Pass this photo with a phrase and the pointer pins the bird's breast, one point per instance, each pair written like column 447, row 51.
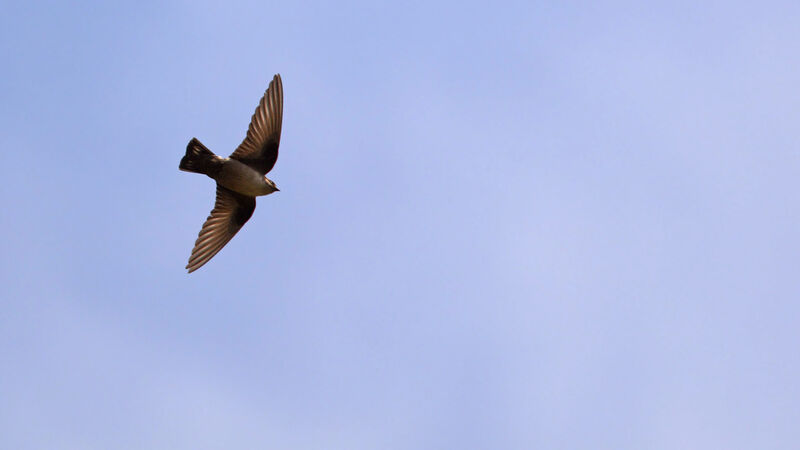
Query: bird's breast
column 243, row 179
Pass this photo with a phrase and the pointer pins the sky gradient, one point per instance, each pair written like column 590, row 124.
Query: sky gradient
column 516, row 225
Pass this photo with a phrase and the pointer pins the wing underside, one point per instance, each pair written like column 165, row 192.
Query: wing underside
column 231, row 211
column 259, row 149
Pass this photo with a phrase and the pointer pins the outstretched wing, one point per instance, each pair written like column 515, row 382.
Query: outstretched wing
column 231, row 211
column 259, row 149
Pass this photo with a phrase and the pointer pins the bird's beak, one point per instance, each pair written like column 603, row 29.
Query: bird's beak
column 276, row 189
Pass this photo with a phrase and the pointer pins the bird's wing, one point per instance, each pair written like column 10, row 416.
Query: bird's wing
column 259, row 149
column 231, row 211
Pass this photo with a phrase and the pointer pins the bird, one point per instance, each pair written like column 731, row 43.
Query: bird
column 240, row 178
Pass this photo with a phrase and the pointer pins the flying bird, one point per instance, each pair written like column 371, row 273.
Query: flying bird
column 240, row 178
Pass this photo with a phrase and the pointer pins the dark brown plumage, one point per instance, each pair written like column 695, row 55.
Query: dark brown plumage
column 240, row 178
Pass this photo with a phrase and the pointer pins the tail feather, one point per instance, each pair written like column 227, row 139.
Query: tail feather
column 198, row 158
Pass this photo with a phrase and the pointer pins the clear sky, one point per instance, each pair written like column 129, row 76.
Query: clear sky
column 514, row 225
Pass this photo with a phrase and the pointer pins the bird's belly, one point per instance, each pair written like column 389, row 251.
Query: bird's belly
column 242, row 179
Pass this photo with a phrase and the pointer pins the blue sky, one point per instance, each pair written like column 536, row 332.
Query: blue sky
column 501, row 226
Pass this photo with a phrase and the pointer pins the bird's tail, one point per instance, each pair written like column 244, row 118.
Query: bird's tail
column 198, row 158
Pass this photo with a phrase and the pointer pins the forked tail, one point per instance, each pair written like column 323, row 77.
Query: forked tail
column 198, row 158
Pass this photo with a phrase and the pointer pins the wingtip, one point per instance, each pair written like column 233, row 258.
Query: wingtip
column 192, row 267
